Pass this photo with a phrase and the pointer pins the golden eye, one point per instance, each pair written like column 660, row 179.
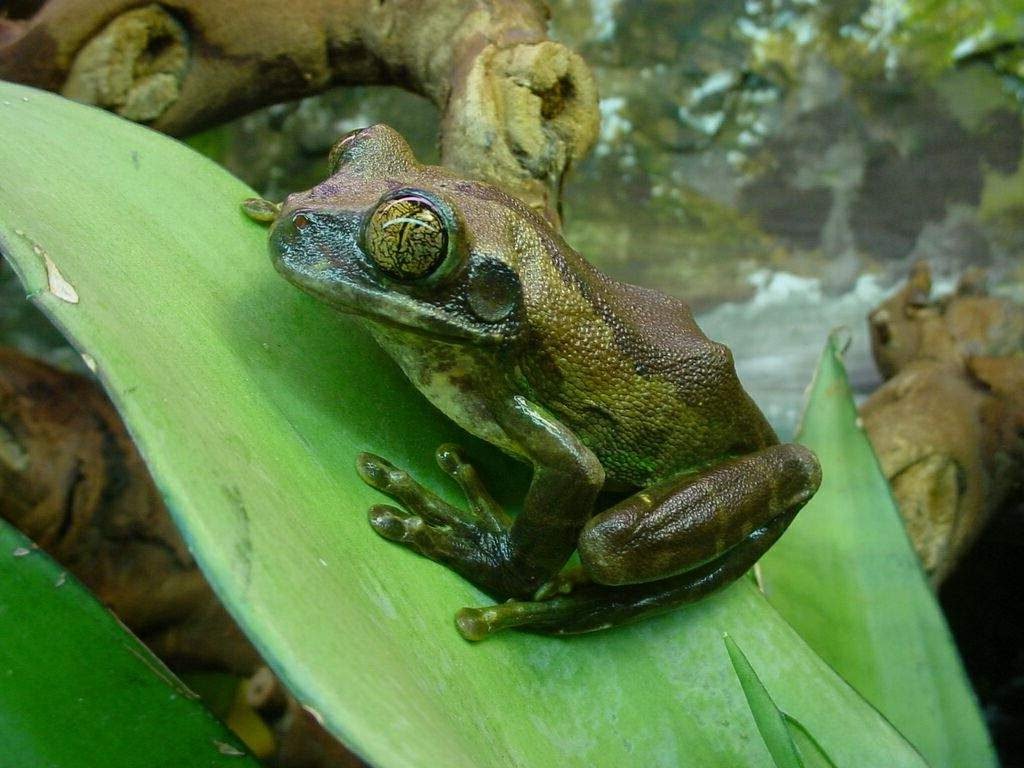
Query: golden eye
column 406, row 237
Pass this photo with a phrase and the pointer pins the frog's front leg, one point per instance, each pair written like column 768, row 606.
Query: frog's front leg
column 504, row 558
column 669, row 544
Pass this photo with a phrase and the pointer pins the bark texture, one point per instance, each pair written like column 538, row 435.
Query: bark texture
column 517, row 109
column 948, row 425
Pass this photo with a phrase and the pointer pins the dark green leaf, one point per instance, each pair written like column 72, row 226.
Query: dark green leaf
column 78, row 690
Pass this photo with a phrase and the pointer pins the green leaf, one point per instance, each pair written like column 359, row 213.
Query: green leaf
column 810, row 750
column 846, row 577
column 213, row 142
column 770, row 722
column 250, row 401
column 77, row 689
column 790, row 744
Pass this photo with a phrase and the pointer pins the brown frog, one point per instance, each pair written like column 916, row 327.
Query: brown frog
column 594, row 383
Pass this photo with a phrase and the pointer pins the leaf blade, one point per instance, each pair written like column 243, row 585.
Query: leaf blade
column 770, row 721
column 846, row 577
column 69, row 667
column 250, row 402
column 810, row 750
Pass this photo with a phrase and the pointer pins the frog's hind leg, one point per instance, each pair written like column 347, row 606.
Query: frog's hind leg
column 596, row 606
column 683, row 522
column 669, row 545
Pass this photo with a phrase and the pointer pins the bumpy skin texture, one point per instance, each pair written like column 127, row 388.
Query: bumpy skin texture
column 517, row 108
column 594, row 383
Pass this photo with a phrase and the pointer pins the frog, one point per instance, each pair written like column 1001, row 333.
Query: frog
column 606, row 390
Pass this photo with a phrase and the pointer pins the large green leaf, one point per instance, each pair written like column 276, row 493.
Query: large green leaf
column 771, row 723
column 847, row 578
column 250, row 401
column 78, row 690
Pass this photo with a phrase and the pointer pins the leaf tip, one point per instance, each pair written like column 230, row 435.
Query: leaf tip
column 839, row 340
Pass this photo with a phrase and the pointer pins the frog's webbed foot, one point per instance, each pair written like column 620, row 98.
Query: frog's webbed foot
column 473, row 543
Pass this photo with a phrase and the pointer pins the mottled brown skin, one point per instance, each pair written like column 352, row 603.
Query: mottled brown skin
column 594, row 383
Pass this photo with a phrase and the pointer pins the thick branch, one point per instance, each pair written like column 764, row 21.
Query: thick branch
column 517, row 109
column 948, row 425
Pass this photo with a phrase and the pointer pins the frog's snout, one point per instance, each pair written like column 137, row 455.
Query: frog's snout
column 301, row 232
column 292, row 247
column 283, row 234
column 315, row 249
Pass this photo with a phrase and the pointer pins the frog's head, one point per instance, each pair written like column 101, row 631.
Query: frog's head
column 407, row 245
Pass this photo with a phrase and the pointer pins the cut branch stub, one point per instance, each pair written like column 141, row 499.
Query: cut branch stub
column 134, row 66
column 948, row 424
column 522, row 114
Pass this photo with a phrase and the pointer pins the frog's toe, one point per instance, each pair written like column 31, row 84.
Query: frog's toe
column 398, row 484
column 392, row 523
column 408, row 529
column 477, row 624
column 263, row 211
column 562, row 584
column 472, row 544
column 451, row 460
column 374, row 470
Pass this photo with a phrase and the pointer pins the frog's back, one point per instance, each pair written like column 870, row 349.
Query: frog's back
column 631, row 372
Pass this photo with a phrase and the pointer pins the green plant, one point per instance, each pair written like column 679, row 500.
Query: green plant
column 76, row 689
column 250, row 402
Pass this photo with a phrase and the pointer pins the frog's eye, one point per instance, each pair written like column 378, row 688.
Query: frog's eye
column 339, row 152
column 407, row 237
